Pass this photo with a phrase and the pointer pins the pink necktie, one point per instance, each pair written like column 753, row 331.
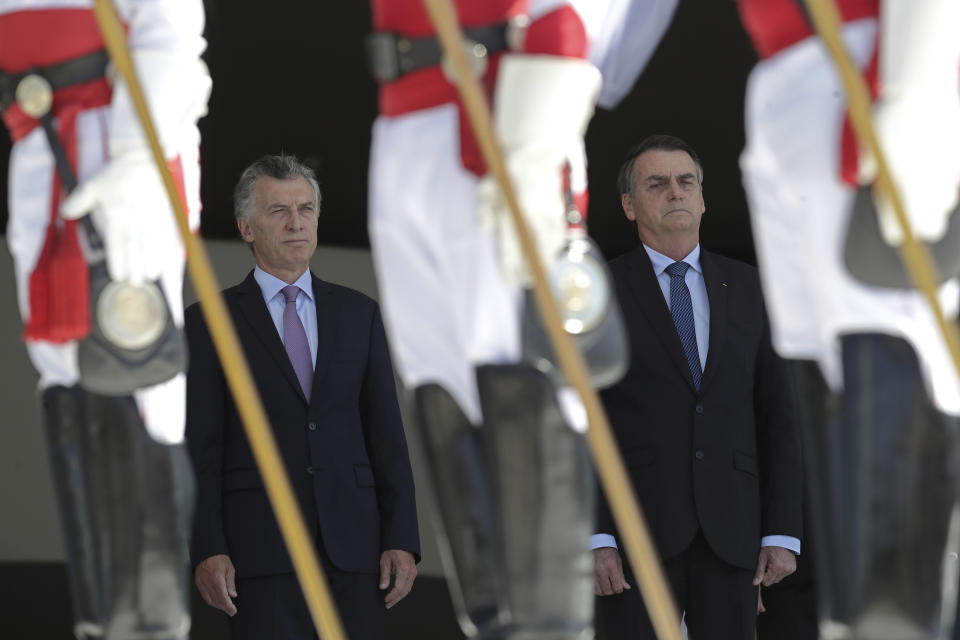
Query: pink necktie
column 295, row 340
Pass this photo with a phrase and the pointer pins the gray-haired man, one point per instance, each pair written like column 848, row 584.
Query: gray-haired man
column 320, row 361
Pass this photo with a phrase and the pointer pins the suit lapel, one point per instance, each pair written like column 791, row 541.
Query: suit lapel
column 716, row 282
column 649, row 298
column 326, row 330
column 254, row 310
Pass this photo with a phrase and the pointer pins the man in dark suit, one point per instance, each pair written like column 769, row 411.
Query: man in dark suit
column 703, row 416
column 319, row 358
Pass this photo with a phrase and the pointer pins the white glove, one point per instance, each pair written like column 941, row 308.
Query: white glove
column 914, row 131
column 918, row 116
column 127, row 199
column 132, row 211
column 542, row 105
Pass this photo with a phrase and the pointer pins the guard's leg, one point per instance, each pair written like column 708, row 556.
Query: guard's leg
column 148, row 490
column 544, row 494
column 467, row 534
column 73, row 458
column 882, row 463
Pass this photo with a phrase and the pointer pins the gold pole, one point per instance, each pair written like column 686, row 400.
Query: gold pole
column 916, row 256
column 613, row 476
column 302, row 553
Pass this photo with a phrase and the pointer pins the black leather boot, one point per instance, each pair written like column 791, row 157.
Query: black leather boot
column 544, row 500
column 883, row 466
column 466, row 529
column 72, row 458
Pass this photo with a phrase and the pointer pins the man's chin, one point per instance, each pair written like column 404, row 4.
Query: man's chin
column 680, row 223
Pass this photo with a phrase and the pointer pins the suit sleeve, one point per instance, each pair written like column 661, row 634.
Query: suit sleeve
column 778, row 441
column 206, row 415
column 387, row 447
column 605, row 520
column 606, row 524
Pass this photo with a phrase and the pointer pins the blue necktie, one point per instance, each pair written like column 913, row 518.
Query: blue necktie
column 681, row 308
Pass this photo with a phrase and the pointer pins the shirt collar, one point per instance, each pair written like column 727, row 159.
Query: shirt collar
column 661, row 262
column 271, row 285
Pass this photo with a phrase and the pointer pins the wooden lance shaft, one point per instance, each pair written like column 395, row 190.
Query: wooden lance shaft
column 302, row 552
column 609, row 465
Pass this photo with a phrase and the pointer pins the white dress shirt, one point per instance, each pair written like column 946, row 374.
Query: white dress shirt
column 270, row 287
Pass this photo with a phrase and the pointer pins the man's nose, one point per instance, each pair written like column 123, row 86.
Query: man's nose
column 675, row 191
column 295, row 220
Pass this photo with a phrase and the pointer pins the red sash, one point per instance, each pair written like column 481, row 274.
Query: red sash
column 559, row 32
column 59, row 283
column 774, row 25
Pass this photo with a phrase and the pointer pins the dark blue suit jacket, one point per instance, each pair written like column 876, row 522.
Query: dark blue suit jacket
column 724, row 458
column 345, row 452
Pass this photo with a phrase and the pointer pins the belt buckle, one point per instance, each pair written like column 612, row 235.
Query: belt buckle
column 34, row 95
column 382, row 52
column 477, row 59
column 516, row 33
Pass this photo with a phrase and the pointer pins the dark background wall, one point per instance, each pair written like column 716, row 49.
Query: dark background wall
column 290, row 75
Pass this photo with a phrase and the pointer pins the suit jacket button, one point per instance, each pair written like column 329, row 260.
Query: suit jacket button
column 698, row 408
column 699, row 455
column 312, row 426
column 310, row 471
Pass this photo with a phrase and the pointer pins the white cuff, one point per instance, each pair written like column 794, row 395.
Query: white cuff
column 599, row 540
column 787, row 542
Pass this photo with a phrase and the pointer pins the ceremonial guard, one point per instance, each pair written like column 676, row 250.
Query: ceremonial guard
column 100, row 294
column 500, row 428
column 883, row 396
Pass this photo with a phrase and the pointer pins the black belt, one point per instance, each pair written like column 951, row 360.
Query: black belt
column 392, row 56
column 58, row 76
column 40, row 83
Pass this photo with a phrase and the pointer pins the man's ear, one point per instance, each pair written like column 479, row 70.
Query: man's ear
column 627, row 205
column 244, row 227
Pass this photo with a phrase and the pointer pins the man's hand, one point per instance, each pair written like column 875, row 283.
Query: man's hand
column 760, row 607
column 399, row 563
column 773, row 565
column 214, row 577
column 608, row 572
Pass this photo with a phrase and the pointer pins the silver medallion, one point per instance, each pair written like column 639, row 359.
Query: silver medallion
column 34, row 95
column 580, row 287
column 131, row 317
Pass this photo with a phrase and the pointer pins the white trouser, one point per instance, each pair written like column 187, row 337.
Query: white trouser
column 446, row 306
column 31, row 175
column 800, row 209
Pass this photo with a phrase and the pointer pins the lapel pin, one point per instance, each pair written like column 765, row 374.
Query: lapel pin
column 723, row 284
